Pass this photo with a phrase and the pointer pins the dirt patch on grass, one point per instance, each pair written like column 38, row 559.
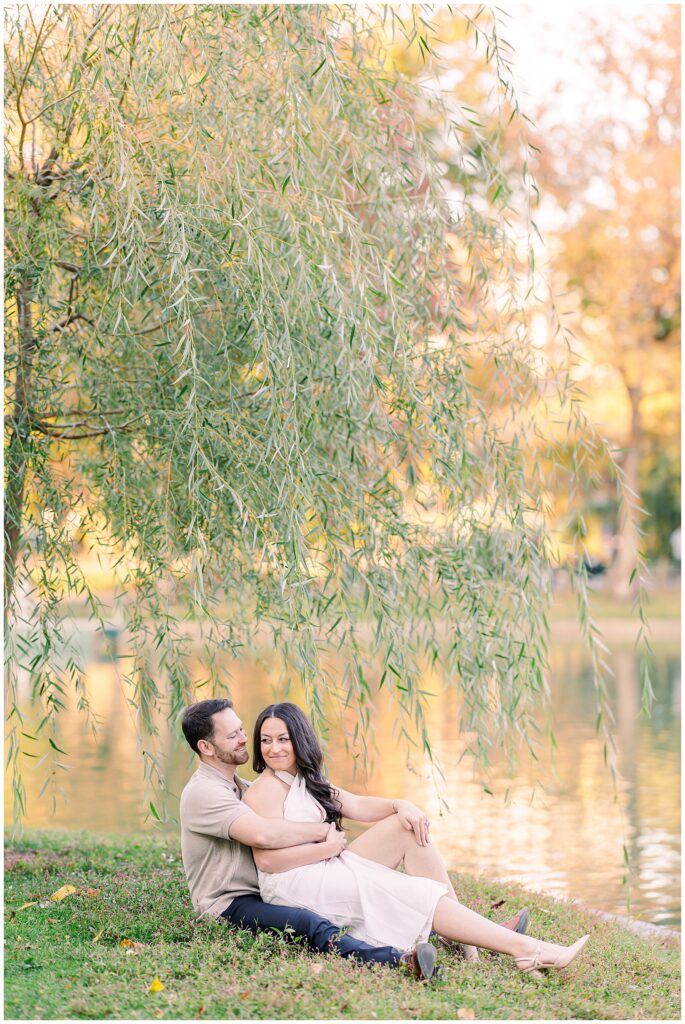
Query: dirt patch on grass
column 28, row 857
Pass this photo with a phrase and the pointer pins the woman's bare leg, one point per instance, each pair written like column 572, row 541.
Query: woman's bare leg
column 454, row 921
column 388, row 842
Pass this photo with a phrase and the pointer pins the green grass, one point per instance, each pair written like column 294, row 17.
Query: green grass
column 64, row 959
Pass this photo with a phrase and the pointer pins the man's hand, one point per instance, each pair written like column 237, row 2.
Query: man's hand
column 335, row 841
column 414, row 819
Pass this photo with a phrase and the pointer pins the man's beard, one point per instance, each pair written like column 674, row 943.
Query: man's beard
column 237, row 757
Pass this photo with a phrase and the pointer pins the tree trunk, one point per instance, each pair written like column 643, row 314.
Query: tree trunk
column 627, row 537
column 16, row 452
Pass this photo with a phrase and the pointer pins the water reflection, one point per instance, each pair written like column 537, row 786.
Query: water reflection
column 568, row 840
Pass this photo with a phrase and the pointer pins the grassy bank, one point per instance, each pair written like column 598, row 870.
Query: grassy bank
column 96, row 953
column 662, row 603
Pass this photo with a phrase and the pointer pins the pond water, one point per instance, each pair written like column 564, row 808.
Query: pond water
column 566, row 840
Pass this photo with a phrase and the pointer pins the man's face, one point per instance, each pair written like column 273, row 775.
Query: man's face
column 229, row 742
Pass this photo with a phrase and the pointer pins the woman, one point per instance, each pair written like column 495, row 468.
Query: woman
column 355, row 885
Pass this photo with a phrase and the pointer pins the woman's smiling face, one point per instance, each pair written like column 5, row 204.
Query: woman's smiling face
column 276, row 748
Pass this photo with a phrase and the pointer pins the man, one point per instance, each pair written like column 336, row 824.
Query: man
column 218, row 831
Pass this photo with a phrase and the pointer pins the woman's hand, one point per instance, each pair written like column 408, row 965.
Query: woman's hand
column 414, row 819
column 335, row 841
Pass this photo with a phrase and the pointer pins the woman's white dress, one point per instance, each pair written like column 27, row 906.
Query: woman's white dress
column 372, row 902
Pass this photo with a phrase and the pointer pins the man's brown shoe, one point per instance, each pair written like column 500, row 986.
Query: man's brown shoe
column 420, row 961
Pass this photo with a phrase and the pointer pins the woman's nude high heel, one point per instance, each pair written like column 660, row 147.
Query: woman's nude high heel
column 535, row 961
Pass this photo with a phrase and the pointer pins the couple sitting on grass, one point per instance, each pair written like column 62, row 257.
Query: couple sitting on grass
column 273, row 855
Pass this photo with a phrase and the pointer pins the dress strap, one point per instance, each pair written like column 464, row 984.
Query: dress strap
column 285, row 777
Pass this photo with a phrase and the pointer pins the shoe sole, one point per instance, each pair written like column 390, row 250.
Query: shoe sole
column 522, row 926
column 425, row 958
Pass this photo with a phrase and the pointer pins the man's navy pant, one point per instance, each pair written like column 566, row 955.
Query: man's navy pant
column 253, row 913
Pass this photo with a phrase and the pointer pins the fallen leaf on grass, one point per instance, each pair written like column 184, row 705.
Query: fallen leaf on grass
column 497, row 904
column 129, row 943
column 53, row 920
column 465, row 1013
column 89, row 892
column 25, row 905
column 99, row 935
column 63, row 892
column 156, row 985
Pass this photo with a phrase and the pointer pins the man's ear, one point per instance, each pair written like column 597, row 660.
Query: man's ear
column 204, row 747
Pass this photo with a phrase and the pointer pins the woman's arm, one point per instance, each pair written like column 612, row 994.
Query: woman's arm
column 375, row 808
column 266, row 797
column 365, row 808
column 276, row 861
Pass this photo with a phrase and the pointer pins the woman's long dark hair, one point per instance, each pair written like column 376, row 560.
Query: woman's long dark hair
column 307, row 754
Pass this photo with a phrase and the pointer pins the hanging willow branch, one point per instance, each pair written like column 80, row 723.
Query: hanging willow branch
column 256, row 350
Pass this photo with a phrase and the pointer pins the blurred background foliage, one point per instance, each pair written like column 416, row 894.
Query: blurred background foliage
column 608, row 176
column 614, row 183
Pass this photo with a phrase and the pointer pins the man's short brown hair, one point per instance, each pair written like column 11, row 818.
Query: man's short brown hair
column 197, row 721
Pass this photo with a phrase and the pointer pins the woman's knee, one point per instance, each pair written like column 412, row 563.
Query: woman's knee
column 393, row 825
column 388, row 832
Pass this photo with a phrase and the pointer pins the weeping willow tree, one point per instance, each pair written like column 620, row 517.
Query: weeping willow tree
column 241, row 316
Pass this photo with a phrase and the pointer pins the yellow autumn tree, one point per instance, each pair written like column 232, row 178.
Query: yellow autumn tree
column 615, row 181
